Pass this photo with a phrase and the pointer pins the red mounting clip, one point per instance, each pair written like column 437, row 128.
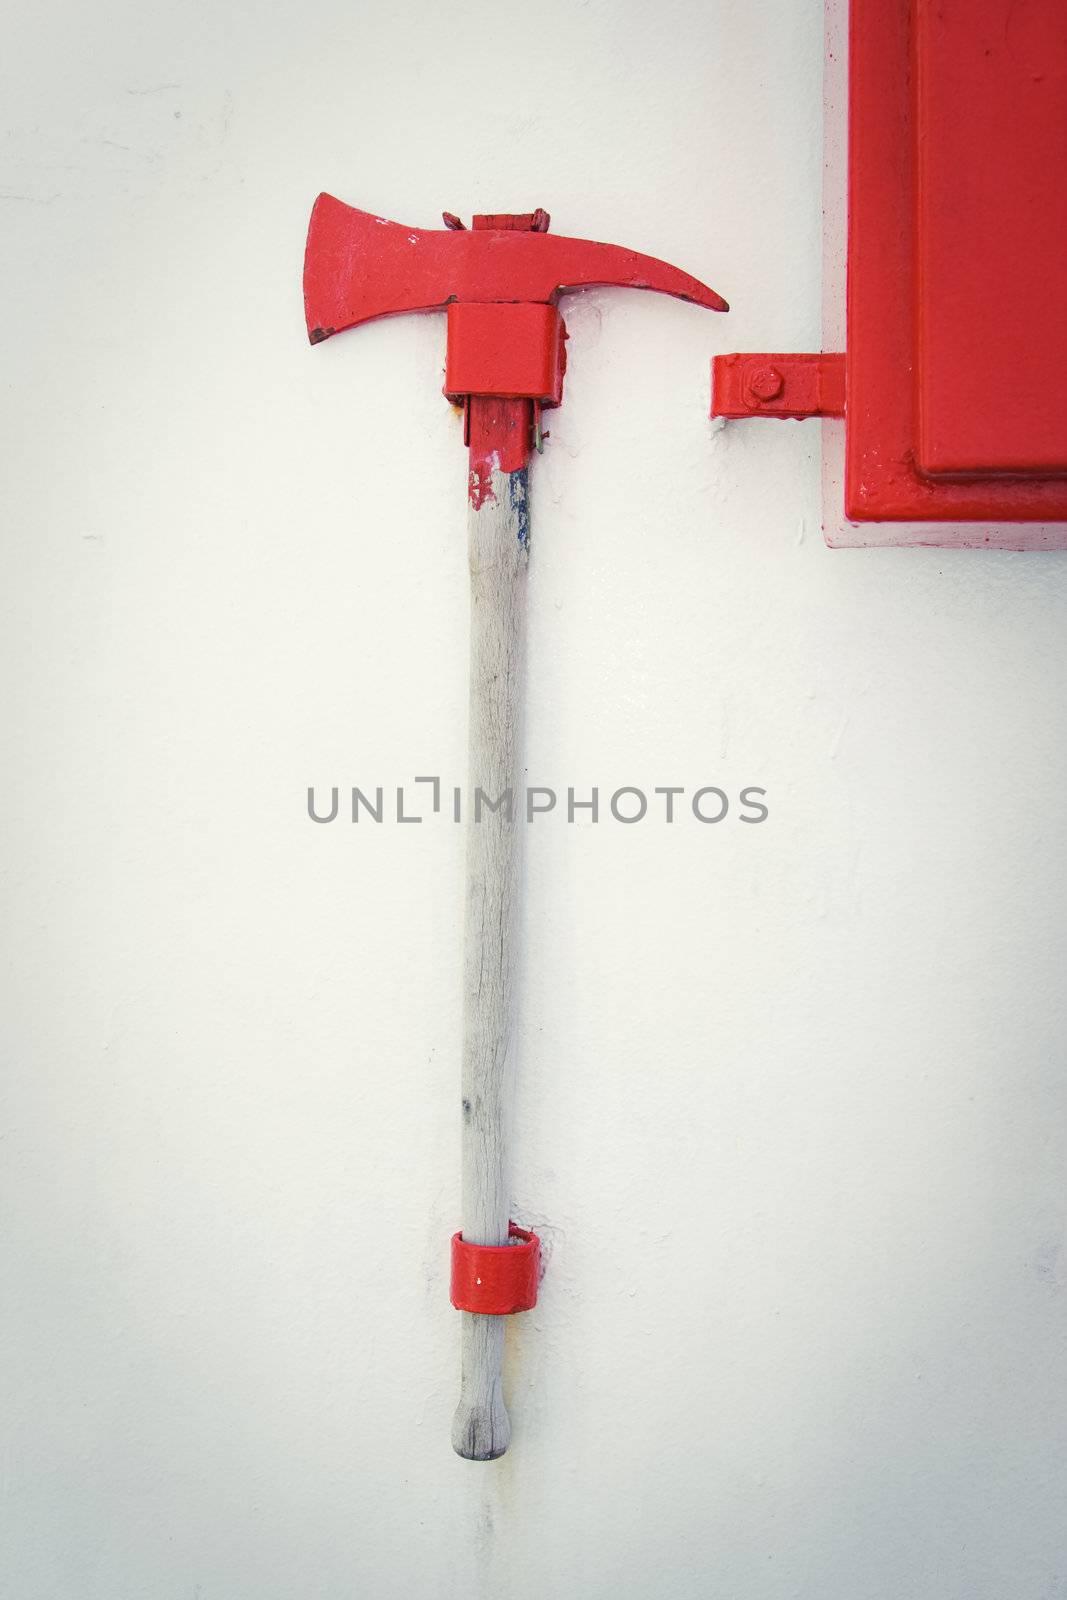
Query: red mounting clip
column 496, row 1279
column 791, row 386
column 501, row 348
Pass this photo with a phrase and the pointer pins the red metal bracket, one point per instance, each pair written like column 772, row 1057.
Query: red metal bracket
column 497, row 348
column 778, row 386
column 496, row 1280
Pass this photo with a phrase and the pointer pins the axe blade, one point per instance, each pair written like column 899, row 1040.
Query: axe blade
column 358, row 266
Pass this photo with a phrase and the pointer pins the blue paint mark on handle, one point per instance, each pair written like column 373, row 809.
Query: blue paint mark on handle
column 519, row 501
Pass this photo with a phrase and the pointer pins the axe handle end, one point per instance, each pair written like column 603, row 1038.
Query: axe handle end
column 481, row 1430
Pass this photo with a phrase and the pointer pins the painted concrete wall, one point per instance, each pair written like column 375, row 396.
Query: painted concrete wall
column 791, row 1115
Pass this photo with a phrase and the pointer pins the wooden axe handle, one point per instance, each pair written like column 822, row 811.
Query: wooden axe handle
column 497, row 549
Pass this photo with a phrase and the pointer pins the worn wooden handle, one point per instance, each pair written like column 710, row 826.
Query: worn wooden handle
column 498, row 549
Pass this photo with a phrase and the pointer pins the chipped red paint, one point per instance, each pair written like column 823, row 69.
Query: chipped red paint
column 499, row 433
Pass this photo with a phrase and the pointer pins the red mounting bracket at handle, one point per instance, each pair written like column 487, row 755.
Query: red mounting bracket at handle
column 501, row 348
column 496, row 1280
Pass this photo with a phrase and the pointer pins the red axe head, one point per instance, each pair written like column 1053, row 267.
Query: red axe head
column 358, row 267
column 500, row 283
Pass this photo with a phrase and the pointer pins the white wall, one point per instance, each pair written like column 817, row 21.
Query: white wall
column 791, row 1110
